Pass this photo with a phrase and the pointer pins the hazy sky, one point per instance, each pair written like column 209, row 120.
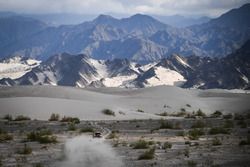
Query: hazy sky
column 128, row 7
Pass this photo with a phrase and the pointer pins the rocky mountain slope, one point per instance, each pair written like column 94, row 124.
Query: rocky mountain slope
column 230, row 72
column 139, row 38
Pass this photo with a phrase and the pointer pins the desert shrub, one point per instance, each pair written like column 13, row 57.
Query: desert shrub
column 72, row 126
column 139, row 110
column 187, row 142
column 188, row 105
column 166, row 125
column 43, row 136
column 112, row 135
column 87, row 129
column 8, row 117
column 164, row 114
column 218, row 130
column 183, row 109
column 39, row 165
column 228, row 124
column 198, row 124
column 180, row 133
column 200, row 113
column 216, row 142
column 245, row 142
column 108, row 112
column 54, row 117
column 140, row 144
column 149, row 154
column 4, row 136
column 242, row 124
column 21, row 118
column 167, row 145
column 186, row 152
column 180, row 114
column 228, row 116
column 25, row 150
column 238, row 116
column 74, row 120
column 191, row 163
column 217, row 113
column 194, row 134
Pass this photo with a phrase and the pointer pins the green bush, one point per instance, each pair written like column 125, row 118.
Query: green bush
column 238, row 116
column 228, row 116
column 217, row 113
column 43, row 136
column 191, row 163
column 200, row 113
column 108, row 112
column 87, row 129
column 167, row 145
column 25, row 150
column 54, row 117
column 4, row 136
column 245, row 142
column 166, row 125
column 216, row 142
column 71, row 119
column 71, row 126
column 149, row 154
column 219, row 130
column 228, row 124
column 139, row 110
column 8, row 117
column 21, row 118
column 198, row 124
column 112, row 135
column 141, row 144
column 194, row 134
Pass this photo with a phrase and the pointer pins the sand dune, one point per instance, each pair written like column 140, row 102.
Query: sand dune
column 40, row 101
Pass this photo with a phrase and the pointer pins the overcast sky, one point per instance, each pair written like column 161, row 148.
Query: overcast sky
column 210, row 8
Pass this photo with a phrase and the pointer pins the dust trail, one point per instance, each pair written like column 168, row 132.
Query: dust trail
column 84, row 151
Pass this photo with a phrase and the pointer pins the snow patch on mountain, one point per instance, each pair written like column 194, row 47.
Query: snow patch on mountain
column 165, row 76
column 16, row 67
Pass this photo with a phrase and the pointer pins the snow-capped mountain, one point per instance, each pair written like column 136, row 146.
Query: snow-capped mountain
column 16, row 67
column 190, row 72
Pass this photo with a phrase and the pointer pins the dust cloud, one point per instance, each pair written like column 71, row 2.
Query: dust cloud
column 84, row 151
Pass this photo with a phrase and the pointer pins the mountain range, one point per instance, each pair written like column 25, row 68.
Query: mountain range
column 230, row 72
column 139, row 38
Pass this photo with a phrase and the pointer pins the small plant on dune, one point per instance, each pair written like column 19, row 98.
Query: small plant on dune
column 147, row 155
column 21, row 118
column 54, row 117
column 188, row 105
column 139, row 110
column 164, row 114
column 108, row 112
column 228, row 124
column 228, row 116
column 242, row 124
